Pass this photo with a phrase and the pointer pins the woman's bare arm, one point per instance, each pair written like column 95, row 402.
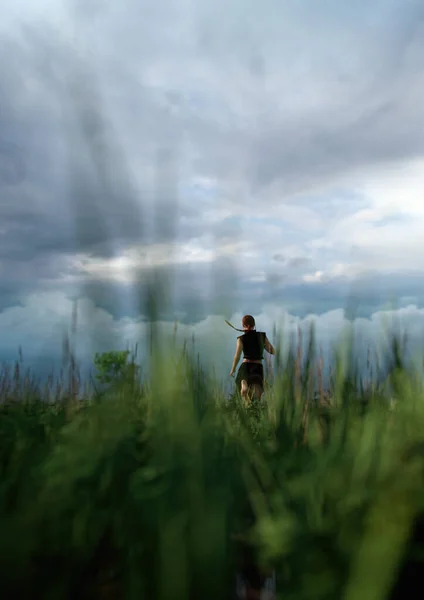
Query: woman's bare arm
column 237, row 355
column 268, row 346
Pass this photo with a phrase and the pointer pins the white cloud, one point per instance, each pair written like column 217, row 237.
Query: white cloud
column 313, row 277
column 126, row 266
column 387, row 235
column 38, row 327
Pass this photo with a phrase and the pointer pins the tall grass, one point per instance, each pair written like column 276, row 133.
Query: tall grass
column 165, row 489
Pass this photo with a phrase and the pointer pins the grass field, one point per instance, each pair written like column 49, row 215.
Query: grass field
column 166, row 489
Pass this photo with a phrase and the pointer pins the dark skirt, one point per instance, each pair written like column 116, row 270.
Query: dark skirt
column 250, row 372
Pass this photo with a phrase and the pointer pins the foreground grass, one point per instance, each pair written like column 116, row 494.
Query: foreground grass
column 158, row 491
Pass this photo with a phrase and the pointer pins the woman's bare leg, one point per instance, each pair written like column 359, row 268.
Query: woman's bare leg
column 254, row 392
column 244, row 390
column 257, row 390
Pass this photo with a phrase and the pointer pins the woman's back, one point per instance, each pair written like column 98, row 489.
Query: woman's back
column 253, row 344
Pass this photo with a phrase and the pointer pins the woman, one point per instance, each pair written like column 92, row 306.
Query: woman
column 250, row 375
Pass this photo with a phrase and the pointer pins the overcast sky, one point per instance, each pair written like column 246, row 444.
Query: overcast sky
column 262, row 158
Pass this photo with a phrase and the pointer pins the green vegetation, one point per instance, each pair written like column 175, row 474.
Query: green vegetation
column 115, row 367
column 152, row 489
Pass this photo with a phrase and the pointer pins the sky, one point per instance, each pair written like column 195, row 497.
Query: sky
column 263, row 158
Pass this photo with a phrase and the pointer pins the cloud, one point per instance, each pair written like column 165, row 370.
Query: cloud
column 271, row 155
column 38, row 327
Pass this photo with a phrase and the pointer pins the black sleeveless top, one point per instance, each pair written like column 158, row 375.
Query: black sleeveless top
column 253, row 344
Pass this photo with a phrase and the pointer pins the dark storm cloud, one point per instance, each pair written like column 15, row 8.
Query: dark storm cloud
column 66, row 185
column 363, row 64
column 92, row 151
column 363, row 296
column 294, row 262
column 192, row 293
column 381, row 136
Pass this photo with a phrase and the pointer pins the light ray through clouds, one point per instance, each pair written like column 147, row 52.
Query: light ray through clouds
column 257, row 160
